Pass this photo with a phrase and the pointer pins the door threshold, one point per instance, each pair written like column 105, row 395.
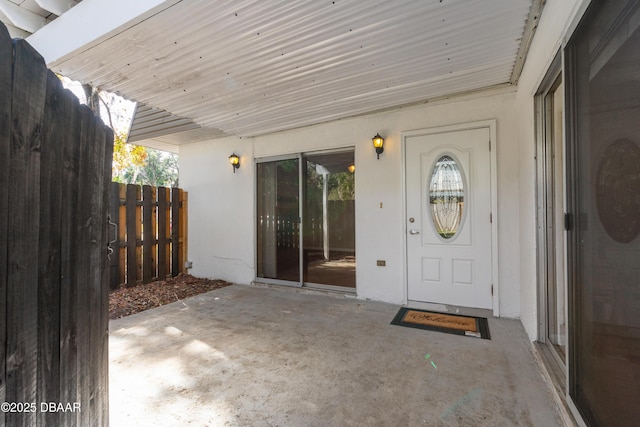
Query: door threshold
column 333, row 288
column 329, row 290
column 555, row 379
column 450, row 309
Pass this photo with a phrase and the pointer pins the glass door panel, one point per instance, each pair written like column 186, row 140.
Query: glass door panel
column 556, row 333
column 329, row 219
column 556, row 306
column 604, row 109
column 278, row 213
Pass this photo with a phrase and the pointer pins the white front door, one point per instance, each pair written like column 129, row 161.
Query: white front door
column 448, row 223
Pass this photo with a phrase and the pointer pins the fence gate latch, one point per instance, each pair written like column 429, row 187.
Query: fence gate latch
column 115, row 238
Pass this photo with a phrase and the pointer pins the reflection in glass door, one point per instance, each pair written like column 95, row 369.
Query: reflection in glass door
column 329, row 219
column 278, row 213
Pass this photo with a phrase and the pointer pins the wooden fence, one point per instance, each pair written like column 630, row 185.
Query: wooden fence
column 55, row 166
column 148, row 233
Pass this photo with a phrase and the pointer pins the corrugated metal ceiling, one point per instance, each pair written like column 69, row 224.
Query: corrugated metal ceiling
column 257, row 66
column 164, row 131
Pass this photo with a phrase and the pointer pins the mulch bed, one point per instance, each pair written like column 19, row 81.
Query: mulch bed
column 126, row 301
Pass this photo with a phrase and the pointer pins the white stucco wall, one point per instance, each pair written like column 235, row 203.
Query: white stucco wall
column 221, row 230
column 221, row 203
column 556, row 22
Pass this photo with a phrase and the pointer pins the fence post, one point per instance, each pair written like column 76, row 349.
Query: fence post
column 175, row 231
column 154, row 233
column 122, row 233
column 163, row 229
column 183, row 230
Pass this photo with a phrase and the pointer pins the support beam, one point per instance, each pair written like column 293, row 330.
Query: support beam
column 89, row 23
column 22, row 18
column 15, row 32
column 57, row 7
column 530, row 27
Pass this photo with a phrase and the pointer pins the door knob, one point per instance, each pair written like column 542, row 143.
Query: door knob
column 414, row 231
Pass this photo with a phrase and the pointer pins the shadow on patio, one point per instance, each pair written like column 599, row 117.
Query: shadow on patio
column 257, row 356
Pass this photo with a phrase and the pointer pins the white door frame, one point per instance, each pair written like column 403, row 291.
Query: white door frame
column 491, row 125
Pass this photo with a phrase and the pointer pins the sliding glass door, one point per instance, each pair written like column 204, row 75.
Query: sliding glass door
column 329, row 243
column 603, row 82
column 278, row 215
column 550, row 197
column 306, row 220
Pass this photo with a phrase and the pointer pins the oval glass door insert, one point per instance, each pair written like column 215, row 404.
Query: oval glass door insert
column 446, row 197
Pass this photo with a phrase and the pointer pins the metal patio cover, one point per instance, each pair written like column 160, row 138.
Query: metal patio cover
column 251, row 67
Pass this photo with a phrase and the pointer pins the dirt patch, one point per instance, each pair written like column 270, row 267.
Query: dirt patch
column 126, row 301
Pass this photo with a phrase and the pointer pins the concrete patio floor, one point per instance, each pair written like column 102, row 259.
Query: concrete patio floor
column 252, row 356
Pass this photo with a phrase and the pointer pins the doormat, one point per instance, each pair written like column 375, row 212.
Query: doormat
column 477, row 327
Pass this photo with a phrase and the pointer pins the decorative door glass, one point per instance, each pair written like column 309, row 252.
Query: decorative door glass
column 446, row 196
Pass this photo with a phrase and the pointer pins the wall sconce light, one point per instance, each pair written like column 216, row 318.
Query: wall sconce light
column 351, row 168
column 378, row 143
column 235, row 161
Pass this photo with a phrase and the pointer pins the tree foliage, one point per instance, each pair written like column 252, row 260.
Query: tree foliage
column 160, row 169
column 125, row 157
column 342, row 186
column 132, row 164
column 146, row 166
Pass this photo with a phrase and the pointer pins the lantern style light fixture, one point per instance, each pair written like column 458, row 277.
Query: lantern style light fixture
column 235, row 161
column 378, row 143
column 351, row 168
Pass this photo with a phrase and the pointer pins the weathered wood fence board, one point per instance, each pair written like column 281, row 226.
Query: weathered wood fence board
column 134, row 232
column 49, row 246
column 6, row 65
column 55, row 162
column 163, row 228
column 114, row 253
column 27, row 111
column 103, row 368
column 151, row 238
column 69, row 319
column 148, row 211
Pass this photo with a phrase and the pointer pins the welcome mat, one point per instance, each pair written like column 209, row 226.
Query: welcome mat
column 470, row 326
